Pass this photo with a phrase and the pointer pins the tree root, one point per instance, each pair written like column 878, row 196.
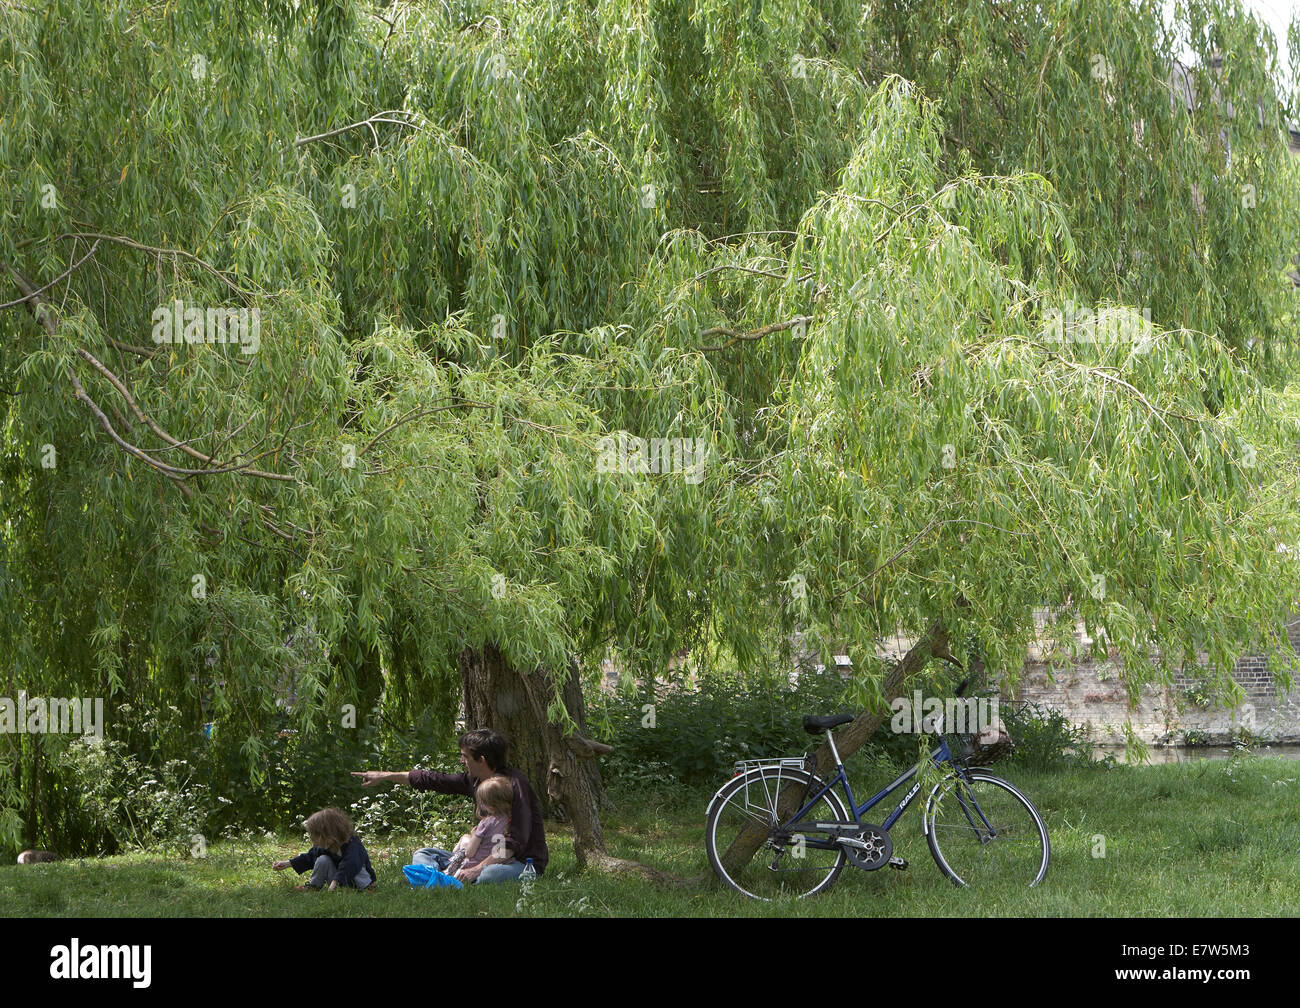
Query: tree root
column 607, row 864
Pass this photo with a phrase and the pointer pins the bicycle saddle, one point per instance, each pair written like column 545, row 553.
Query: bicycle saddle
column 816, row 725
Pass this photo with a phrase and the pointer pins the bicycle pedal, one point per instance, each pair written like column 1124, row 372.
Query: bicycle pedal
column 899, row 863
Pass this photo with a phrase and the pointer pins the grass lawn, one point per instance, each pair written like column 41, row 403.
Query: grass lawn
column 1213, row 838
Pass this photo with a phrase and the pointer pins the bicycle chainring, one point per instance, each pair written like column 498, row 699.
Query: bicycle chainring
column 878, row 851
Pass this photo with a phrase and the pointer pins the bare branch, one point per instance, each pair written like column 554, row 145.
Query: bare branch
column 377, row 117
column 139, row 246
column 139, row 351
column 43, row 313
column 740, row 337
column 41, row 290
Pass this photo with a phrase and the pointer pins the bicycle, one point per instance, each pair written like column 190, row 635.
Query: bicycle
column 980, row 829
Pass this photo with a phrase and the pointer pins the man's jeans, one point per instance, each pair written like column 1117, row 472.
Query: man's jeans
column 439, row 859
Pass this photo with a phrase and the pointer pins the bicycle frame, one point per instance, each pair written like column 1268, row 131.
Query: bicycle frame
column 939, row 755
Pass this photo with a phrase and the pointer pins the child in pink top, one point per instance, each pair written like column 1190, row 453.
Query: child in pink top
column 492, row 799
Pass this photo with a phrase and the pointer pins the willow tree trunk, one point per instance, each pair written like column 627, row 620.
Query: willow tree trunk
column 933, row 644
column 562, row 769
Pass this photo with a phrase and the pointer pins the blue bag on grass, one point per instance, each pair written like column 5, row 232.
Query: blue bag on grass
column 428, row 877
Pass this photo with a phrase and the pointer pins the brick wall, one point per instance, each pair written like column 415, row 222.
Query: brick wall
column 1089, row 693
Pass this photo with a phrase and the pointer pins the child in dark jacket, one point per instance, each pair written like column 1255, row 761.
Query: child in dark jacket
column 337, row 856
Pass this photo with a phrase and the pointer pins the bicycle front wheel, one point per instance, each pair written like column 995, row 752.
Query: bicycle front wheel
column 983, row 832
column 751, row 851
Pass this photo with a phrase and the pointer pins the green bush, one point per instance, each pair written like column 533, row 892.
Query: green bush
column 138, row 790
column 694, row 736
column 303, row 772
column 698, row 735
column 419, row 813
column 1045, row 739
column 134, row 806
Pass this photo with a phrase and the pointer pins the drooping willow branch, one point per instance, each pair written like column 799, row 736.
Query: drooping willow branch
column 141, row 247
column 417, row 413
column 45, row 316
column 173, row 442
column 41, row 290
column 1106, row 375
column 745, row 269
column 932, row 523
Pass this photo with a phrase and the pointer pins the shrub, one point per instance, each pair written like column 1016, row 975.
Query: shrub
column 307, row 772
column 138, row 808
column 389, row 809
column 137, row 790
column 699, row 734
column 1045, row 739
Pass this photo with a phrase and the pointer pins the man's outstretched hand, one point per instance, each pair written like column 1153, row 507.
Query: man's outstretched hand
column 369, row 778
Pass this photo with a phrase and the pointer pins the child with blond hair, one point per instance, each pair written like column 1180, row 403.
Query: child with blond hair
column 492, row 800
column 337, row 856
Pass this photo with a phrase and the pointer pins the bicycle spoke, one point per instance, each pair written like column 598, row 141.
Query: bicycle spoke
column 784, row 865
column 766, row 820
column 982, row 832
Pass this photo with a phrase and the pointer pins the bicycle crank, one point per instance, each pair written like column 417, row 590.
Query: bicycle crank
column 870, row 849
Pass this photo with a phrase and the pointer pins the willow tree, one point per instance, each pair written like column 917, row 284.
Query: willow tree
column 487, row 251
column 361, row 493
column 387, row 485
column 1162, row 127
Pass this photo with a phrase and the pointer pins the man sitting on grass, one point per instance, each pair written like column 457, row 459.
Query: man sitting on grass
column 483, row 754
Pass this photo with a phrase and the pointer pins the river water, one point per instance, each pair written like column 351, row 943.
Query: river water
column 1191, row 754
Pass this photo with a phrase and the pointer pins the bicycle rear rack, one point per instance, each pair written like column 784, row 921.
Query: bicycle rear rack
column 773, row 762
column 761, row 796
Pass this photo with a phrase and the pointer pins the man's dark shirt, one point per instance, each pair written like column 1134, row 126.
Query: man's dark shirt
column 526, row 837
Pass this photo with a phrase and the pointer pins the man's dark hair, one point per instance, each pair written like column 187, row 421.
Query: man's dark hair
column 485, row 744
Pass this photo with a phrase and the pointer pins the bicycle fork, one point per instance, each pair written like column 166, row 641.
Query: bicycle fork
column 985, row 833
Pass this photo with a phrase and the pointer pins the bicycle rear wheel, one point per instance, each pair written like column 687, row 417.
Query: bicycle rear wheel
column 983, row 832
column 747, row 813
